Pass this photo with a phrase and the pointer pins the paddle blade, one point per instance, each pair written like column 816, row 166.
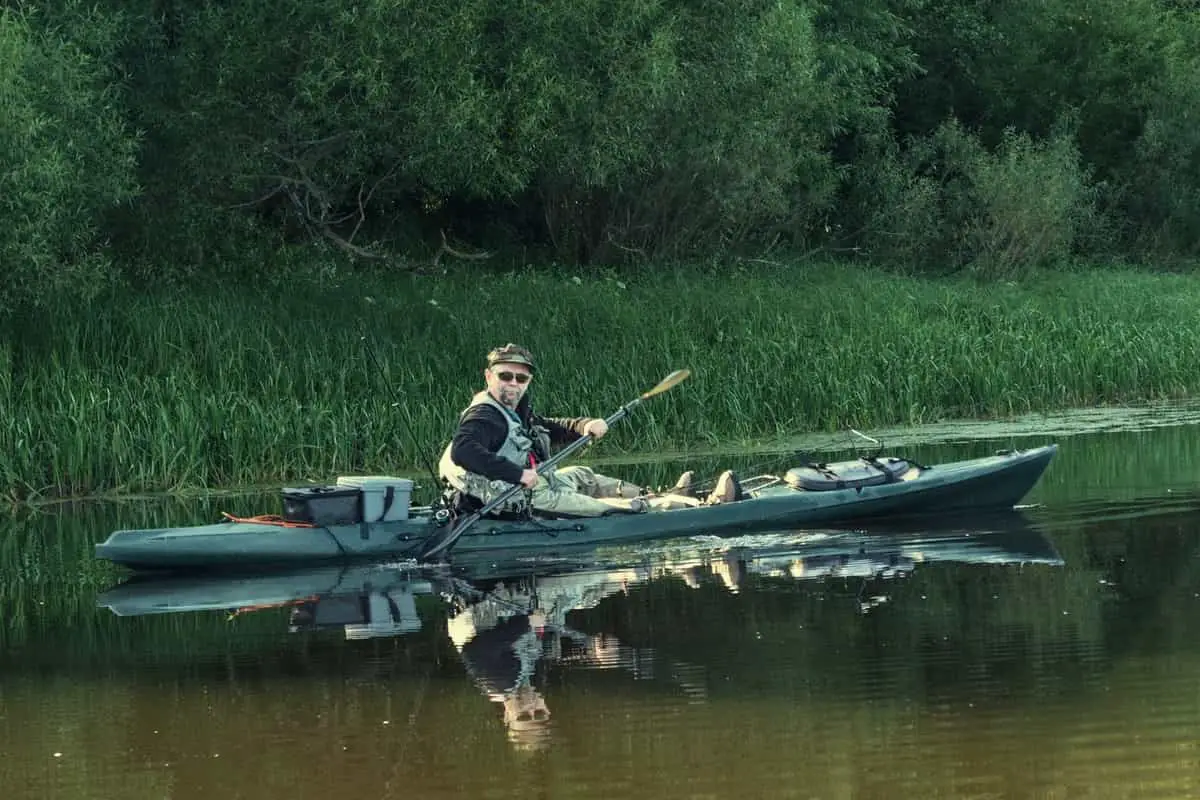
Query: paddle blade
column 676, row 377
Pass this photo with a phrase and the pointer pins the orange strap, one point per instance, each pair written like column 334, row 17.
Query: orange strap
column 263, row 607
column 268, row 519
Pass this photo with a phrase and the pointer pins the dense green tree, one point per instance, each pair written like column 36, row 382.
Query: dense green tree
column 66, row 155
column 1121, row 75
column 600, row 129
column 1160, row 186
column 594, row 131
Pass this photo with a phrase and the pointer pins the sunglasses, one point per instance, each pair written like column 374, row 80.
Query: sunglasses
column 519, row 377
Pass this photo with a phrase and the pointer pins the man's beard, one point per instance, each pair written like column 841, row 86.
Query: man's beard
column 509, row 396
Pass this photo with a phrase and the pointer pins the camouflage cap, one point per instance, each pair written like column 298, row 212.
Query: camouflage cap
column 511, row 354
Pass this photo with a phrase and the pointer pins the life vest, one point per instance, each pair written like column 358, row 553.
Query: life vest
column 520, row 443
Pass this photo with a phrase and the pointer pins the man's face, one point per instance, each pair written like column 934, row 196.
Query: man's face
column 507, row 382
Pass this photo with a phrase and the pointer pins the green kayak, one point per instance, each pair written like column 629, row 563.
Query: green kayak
column 813, row 494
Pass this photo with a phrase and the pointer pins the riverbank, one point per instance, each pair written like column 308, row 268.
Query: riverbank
column 239, row 385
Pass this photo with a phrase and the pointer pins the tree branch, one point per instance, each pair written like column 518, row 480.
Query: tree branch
column 446, row 248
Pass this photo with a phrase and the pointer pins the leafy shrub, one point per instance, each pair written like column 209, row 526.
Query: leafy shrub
column 1032, row 202
column 948, row 201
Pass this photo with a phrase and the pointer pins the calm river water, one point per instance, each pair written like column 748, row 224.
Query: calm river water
column 1051, row 653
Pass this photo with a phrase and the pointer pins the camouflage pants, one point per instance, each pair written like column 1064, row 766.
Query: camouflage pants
column 582, row 492
column 578, row 491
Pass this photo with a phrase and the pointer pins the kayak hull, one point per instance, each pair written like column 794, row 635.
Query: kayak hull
column 989, row 483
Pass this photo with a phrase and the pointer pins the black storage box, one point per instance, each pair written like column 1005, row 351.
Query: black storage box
column 323, row 505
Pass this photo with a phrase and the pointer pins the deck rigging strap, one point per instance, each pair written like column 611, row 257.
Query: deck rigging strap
column 267, row 519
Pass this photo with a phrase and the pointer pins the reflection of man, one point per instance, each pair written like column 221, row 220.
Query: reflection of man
column 502, row 635
column 500, row 648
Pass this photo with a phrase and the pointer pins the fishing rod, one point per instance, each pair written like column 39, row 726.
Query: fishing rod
column 425, row 462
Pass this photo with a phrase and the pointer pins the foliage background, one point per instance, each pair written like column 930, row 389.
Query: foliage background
column 183, row 140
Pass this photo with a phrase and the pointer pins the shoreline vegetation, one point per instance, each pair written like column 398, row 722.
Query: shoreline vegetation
column 836, row 214
column 242, row 385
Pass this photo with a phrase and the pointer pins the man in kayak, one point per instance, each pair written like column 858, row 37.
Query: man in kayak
column 500, row 441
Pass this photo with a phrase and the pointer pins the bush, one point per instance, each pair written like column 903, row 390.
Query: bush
column 891, row 214
column 1033, row 201
column 948, row 201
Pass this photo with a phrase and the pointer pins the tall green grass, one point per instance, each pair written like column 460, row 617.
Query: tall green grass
column 240, row 386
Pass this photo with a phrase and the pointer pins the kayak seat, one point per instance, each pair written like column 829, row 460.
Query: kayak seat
column 846, row 474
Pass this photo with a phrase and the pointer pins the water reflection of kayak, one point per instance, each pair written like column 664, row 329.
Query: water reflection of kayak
column 507, row 619
column 584, row 575
column 811, row 494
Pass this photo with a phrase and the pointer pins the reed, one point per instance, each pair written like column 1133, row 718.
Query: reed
column 242, row 386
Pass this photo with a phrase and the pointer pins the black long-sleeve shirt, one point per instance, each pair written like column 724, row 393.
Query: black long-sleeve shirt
column 483, row 429
column 490, row 655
